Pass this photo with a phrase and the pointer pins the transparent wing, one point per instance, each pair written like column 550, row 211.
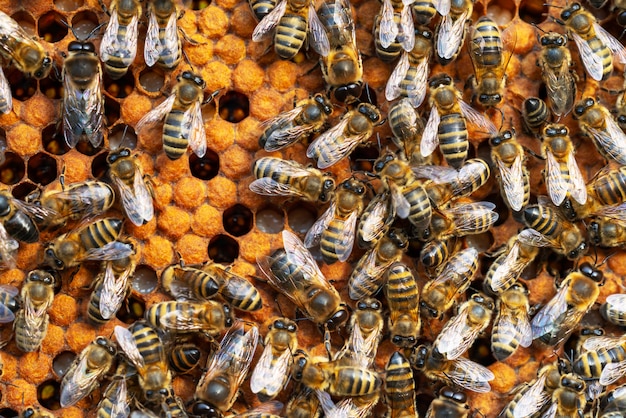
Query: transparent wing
column 347, row 237
column 551, row 412
column 612, row 140
column 113, row 291
column 466, row 216
column 514, row 326
column 336, row 148
column 416, row 91
column 601, row 343
column 120, row 407
column 533, row 238
column 269, row 22
column 127, row 344
column 470, row 375
column 314, row 235
column 612, row 372
column 457, row 336
column 79, row 381
column 592, row 62
column 320, row 43
column 402, row 207
column 82, row 110
column 388, row 28
column 557, row 185
column 430, row 137
column 477, row 119
column 377, row 216
column 108, row 46
column 578, row 188
column 152, row 49
column 197, row 134
column 532, row 400
column 392, row 91
column 113, row 250
column 614, row 45
column 156, row 114
column 8, row 248
column 268, row 375
column 407, row 33
column 512, row 182
column 5, row 93
column 451, row 35
column 136, row 200
column 442, row 6
column 113, row 45
column 508, row 271
column 550, row 317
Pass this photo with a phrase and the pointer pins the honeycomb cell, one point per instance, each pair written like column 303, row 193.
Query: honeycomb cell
column 236, row 162
column 111, row 110
column 51, row 27
column 248, row 76
column 48, row 394
column 220, row 134
column 192, row 248
column 34, row 367
column 99, row 165
column 20, row 392
column 223, row 249
column 55, row 339
column 26, row 21
column 533, row 11
column 207, row 221
column 270, row 219
column 9, row 413
column 482, row 242
column 22, row 87
column 68, row 5
column 362, row 159
column 51, row 88
column 301, row 216
column 502, row 12
column 231, row 49
column 84, row 23
column 23, row 189
column 122, row 136
column 64, row 310
column 204, row 168
column 86, row 148
column 145, row 279
column 190, row 193
column 222, row 192
column 199, row 4
column 42, row 169
column 213, row 22
column 12, row 170
column 151, row 80
column 158, row 252
column 131, row 311
column 174, row 222
column 234, row 106
column 120, row 88
column 238, row 220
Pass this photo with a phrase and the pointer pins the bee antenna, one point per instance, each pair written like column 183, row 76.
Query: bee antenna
column 537, row 26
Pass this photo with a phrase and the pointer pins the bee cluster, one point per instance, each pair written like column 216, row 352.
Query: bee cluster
column 468, row 206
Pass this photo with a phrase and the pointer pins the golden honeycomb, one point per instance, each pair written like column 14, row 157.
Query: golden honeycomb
column 204, row 208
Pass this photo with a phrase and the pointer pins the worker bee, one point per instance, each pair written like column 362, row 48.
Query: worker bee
column 31, row 322
column 575, row 296
column 556, row 62
column 535, row 114
column 335, row 230
column 375, row 220
column 460, row 371
column 144, row 350
column 513, row 178
column 355, row 127
column 606, row 232
column 614, row 309
column 6, row 97
column 603, row 358
column 407, row 130
column 461, row 220
column 568, row 399
column 8, row 303
column 308, row 117
column 183, row 126
column 87, row 370
column 119, row 42
column 449, row 403
column 403, row 300
column 183, row 358
column 390, row 29
column 366, row 327
column 596, row 121
column 446, row 124
column 547, row 228
column 460, row 332
column 451, row 30
column 134, row 192
column 225, row 371
column 304, row 404
column 393, row 50
column 210, row 317
column 35, row 412
column 511, row 328
column 203, row 282
column 293, row 21
column 271, row 373
column 595, row 44
column 163, row 44
column 94, row 241
column 268, row 409
column 400, row 387
column 278, row 177
column 410, row 76
column 16, row 221
column 342, row 67
column 22, row 50
column 346, row 407
column 294, row 273
column 261, row 8
column 438, row 295
column 115, row 400
column 83, row 101
column 613, row 404
column 508, row 267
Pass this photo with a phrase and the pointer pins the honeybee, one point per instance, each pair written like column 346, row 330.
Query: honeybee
column 294, row 273
column 278, row 177
column 407, row 130
column 446, row 124
column 367, row 276
column 335, row 230
column 403, row 300
column 114, row 402
column 163, row 44
column 8, row 303
column 268, row 409
column 614, row 309
column 87, row 370
column 575, row 296
column 272, row 371
column 438, row 295
column 342, row 67
column 607, row 232
column 508, row 267
column 513, row 178
column 35, row 412
column 449, row 403
column 119, row 42
column 304, row 404
column 134, row 192
column 261, row 8
column 366, row 327
column 94, row 241
column 511, row 328
column 83, row 101
column 461, row 220
column 460, row 371
column 410, row 76
column 393, row 50
column 6, row 96
column 375, row 220
column 400, row 387
column 225, row 371
column 595, row 44
column 425, row 10
column 568, row 399
column 144, row 350
column 556, row 63
column 31, row 322
column 183, row 126
column 535, row 114
column 613, row 403
column 547, row 228
column 451, row 30
column 293, row 20
column 16, row 220
column 210, row 317
column 22, row 50
column 346, row 407
column 603, row 358
column 596, row 121
column 184, row 358
column 390, row 29
column 338, row 142
column 308, row 117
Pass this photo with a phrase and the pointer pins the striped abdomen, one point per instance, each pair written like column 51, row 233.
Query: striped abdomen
column 100, row 233
column 392, row 51
column 486, row 46
column 175, row 135
column 453, row 141
column 290, row 35
column 332, row 240
column 148, row 343
column 400, row 387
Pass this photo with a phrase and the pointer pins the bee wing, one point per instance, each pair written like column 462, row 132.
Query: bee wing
column 235, row 353
column 78, row 382
column 451, row 34
column 269, row 22
column 417, row 89
column 269, row 375
column 430, row 137
column 465, row 216
column 512, row 182
column 269, row 187
column 109, row 39
column 407, row 34
column 612, row 140
column 508, row 271
column 442, row 6
column 287, row 132
column 113, row 250
column 82, row 111
column 551, row 412
column 614, row 45
column 127, row 344
column 328, row 150
column 617, row 212
column 592, row 62
column 616, row 299
column 560, row 87
column 601, row 343
column 238, row 289
column 578, row 187
column 113, row 291
column 477, row 119
column 392, row 91
column 470, row 375
column 5, row 93
column 515, row 326
column 378, row 215
column 456, row 337
column 457, row 271
column 557, row 185
column 533, row 238
column 347, row 237
column 532, row 400
column 320, row 43
column 314, row 235
column 153, row 48
column 8, row 248
column 401, row 206
column 550, row 317
column 156, row 114
column 113, row 46
column 120, row 407
column 300, row 256
column 136, row 200
column 612, row 372
column 11, row 30
column 388, row 28
column 197, row 135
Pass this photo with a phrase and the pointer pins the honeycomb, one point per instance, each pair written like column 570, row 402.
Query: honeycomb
column 204, row 208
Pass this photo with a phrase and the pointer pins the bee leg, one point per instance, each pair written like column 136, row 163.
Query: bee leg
column 186, row 37
column 327, row 342
column 534, row 154
column 104, row 7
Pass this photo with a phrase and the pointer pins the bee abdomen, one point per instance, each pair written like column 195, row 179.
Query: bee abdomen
column 290, row 35
column 175, row 139
column 353, row 381
column 101, row 232
column 93, row 309
column 604, row 53
column 331, row 241
column 28, row 339
column 503, row 344
column 148, row 343
column 394, row 49
column 22, row 228
column 453, row 139
column 184, row 358
column 399, row 382
column 424, row 11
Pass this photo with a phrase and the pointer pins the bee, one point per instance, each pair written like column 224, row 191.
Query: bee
column 595, row 44
column 425, row 10
column 535, row 114
column 614, row 309
column 461, row 220
column 83, row 101
column 438, row 295
column 145, row 352
column 35, row 412
column 508, row 267
column 31, row 322
column 449, row 403
column 184, row 358
column 451, row 31
column 338, row 142
column 446, row 125
column 272, row 371
column 434, row 253
column 225, row 371
column 394, row 49
column 460, row 371
column 511, row 328
column 342, row 67
column 407, row 130
column 16, row 221
column 603, row 358
column 22, row 50
column 375, row 220
column 268, row 409
column 607, row 232
column 366, row 327
column 210, row 317
column 135, row 194
column 293, row 21
column 94, row 241
column 400, row 387
column 308, row 117
column 367, row 276
column 115, row 400
column 555, row 61
column 183, row 126
column 163, row 44
column 547, row 228
column 335, row 230
column 278, row 177
column 8, row 303
column 261, row 8
column 409, row 78
column 119, row 42
column 596, row 121
column 568, row 399
column 87, row 370
column 460, row 332
column 6, row 96
column 575, row 296
column 398, row 29
column 513, row 178
column 613, row 404
column 304, row 404
column 294, row 273
column 403, row 300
